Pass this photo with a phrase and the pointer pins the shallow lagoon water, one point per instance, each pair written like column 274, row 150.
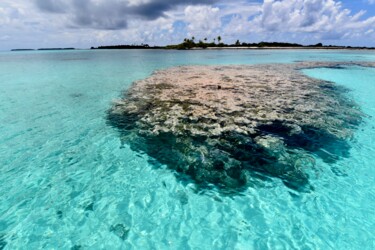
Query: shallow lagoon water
column 68, row 182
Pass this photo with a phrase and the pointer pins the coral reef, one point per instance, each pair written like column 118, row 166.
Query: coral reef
column 226, row 126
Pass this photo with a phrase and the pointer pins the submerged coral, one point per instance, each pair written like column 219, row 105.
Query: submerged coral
column 223, row 126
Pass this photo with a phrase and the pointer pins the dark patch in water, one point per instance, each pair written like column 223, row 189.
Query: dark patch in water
column 229, row 161
column 59, row 214
column 76, row 95
column 339, row 172
column 74, row 59
column 182, row 197
column 90, row 207
column 335, row 67
column 120, row 230
column 3, row 243
column 313, row 140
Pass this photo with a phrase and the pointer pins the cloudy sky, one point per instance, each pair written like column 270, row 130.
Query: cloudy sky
column 86, row 23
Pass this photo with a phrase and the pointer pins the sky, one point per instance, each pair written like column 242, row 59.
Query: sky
column 86, row 23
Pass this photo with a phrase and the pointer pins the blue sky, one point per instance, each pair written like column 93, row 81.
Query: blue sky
column 86, row 23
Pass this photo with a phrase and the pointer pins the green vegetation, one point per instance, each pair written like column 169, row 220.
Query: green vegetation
column 133, row 46
column 190, row 44
column 194, row 43
column 22, row 50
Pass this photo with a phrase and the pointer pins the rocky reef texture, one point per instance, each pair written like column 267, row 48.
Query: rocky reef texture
column 229, row 126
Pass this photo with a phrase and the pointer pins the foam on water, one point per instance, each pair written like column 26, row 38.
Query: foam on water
column 67, row 182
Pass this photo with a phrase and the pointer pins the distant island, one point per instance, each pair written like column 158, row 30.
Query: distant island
column 57, row 49
column 22, row 49
column 217, row 43
column 141, row 46
column 43, row 49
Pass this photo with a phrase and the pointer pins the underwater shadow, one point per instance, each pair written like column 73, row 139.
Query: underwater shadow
column 232, row 162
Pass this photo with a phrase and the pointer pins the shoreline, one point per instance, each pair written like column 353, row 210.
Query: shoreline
column 282, row 48
column 194, row 49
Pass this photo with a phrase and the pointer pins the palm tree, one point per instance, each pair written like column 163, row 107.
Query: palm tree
column 219, row 39
column 205, row 39
column 193, row 38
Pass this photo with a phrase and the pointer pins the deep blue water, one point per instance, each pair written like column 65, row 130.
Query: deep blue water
column 66, row 180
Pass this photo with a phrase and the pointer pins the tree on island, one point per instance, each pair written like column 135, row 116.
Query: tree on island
column 190, row 43
column 220, row 44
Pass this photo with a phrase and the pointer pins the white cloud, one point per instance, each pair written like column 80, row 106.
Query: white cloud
column 157, row 31
column 237, row 26
column 202, row 20
column 138, row 2
column 4, row 38
column 239, row 7
column 22, row 24
column 325, row 19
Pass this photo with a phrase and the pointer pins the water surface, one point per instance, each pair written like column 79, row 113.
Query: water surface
column 67, row 181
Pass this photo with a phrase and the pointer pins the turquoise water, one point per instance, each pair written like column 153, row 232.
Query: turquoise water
column 68, row 183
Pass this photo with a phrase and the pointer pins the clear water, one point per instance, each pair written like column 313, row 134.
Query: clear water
column 66, row 181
